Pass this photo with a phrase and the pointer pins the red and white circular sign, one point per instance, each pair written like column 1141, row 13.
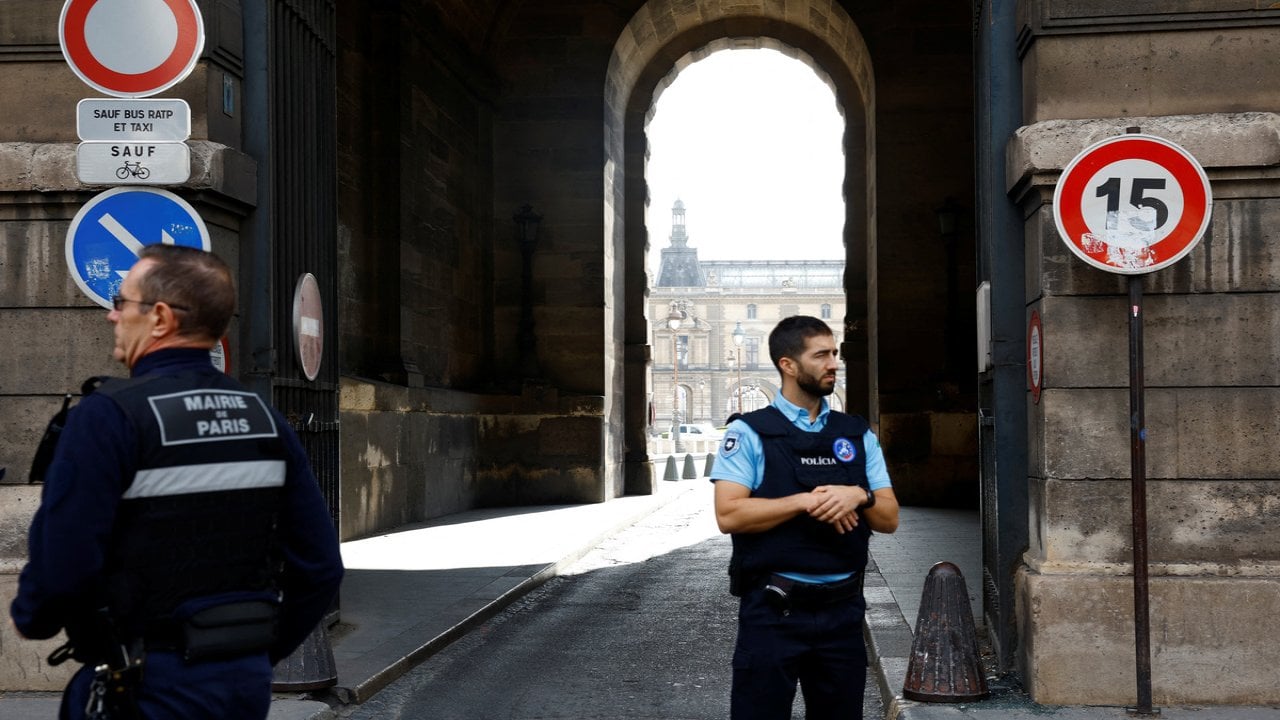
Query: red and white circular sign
column 1035, row 356
column 308, row 325
column 131, row 48
column 220, row 355
column 1132, row 204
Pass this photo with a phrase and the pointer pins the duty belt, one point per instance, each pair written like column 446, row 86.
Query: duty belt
column 217, row 633
column 786, row 594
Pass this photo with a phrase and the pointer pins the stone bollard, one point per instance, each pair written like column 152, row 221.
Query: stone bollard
column 711, row 462
column 670, row 472
column 945, row 665
column 690, row 472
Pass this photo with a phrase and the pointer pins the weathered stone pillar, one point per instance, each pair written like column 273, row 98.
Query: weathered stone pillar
column 1212, row 409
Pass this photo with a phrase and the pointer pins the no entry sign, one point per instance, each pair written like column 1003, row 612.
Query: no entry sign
column 1132, row 204
column 131, row 48
column 308, row 325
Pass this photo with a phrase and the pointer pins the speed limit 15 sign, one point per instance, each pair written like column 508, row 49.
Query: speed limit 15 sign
column 1132, row 204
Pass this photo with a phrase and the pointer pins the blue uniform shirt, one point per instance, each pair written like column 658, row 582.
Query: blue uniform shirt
column 741, row 459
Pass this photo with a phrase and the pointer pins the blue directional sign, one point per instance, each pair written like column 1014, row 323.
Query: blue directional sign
column 112, row 228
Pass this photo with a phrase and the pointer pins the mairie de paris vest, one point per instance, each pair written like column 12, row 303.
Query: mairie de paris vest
column 198, row 517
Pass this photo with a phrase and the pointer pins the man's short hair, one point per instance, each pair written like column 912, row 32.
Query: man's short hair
column 196, row 283
column 789, row 337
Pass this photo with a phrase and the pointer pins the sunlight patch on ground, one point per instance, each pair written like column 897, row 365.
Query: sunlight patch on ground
column 687, row 522
column 502, row 537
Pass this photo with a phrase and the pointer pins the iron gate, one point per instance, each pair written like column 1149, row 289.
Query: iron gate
column 994, row 607
column 291, row 129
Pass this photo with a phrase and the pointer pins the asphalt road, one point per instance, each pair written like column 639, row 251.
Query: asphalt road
column 642, row 627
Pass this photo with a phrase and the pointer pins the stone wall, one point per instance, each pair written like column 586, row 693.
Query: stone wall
column 924, row 161
column 415, row 169
column 409, row 454
column 22, row 662
column 932, row 457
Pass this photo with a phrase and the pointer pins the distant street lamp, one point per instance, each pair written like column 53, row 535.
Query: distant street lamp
column 674, row 318
column 738, row 336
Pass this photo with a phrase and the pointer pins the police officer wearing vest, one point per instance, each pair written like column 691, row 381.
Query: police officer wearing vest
column 800, row 487
column 182, row 541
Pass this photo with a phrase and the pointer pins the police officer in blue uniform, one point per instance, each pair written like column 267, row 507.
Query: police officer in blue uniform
column 182, row 541
column 800, row 487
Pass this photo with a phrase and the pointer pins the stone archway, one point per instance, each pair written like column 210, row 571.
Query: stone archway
column 662, row 38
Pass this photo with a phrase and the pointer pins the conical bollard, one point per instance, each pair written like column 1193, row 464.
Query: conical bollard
column 690, row 472
column 310, row 667
column 711, row 462
column 670, row 472
column 945, row 665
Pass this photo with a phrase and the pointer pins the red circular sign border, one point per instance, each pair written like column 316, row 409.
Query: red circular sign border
column 1179, row 163
column 1036, row 384
column 186, row 51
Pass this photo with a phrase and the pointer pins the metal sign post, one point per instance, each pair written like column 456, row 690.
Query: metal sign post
column 1134, row 204
column 1138, row 493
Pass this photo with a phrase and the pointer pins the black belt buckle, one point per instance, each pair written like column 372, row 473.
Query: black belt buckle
column 777, row 593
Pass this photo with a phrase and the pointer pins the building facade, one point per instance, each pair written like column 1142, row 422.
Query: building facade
column 717, row 355
column 480, row 353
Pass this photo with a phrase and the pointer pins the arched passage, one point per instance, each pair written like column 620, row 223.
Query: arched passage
column 661, row 39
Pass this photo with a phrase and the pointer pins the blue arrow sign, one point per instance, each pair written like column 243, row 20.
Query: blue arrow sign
column 112, row 228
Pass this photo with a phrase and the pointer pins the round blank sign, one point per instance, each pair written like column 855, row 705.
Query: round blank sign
column 308, row 325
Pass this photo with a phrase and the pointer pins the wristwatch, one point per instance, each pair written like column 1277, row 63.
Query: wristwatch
column 871, row 499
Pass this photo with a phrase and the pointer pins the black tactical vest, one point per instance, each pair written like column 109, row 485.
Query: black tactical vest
column 796, row 461
column 199, row 516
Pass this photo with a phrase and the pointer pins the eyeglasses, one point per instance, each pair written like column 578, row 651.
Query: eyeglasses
column 118, row 302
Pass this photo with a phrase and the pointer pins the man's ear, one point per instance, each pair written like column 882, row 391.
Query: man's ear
column 787, row 365
column 166, row 320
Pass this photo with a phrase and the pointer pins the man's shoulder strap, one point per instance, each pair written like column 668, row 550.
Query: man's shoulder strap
column 845, row 424
column 53, row 431
column 113, row 387
column 765, row 421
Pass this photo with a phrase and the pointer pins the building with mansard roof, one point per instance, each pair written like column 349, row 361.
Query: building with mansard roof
column 718, row 355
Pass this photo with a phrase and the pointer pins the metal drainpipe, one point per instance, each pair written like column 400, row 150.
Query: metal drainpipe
column 1000, row 259
column 257, row 261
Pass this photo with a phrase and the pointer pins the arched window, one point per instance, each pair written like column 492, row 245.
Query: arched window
column 826, row 311
column 751, row 312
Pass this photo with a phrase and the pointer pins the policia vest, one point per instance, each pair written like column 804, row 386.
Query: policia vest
column 198, row 518
column 796, row 461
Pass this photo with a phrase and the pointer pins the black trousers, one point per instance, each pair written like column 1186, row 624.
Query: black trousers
column 819, row 648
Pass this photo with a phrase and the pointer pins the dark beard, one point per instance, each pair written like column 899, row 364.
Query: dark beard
column 814, row 386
